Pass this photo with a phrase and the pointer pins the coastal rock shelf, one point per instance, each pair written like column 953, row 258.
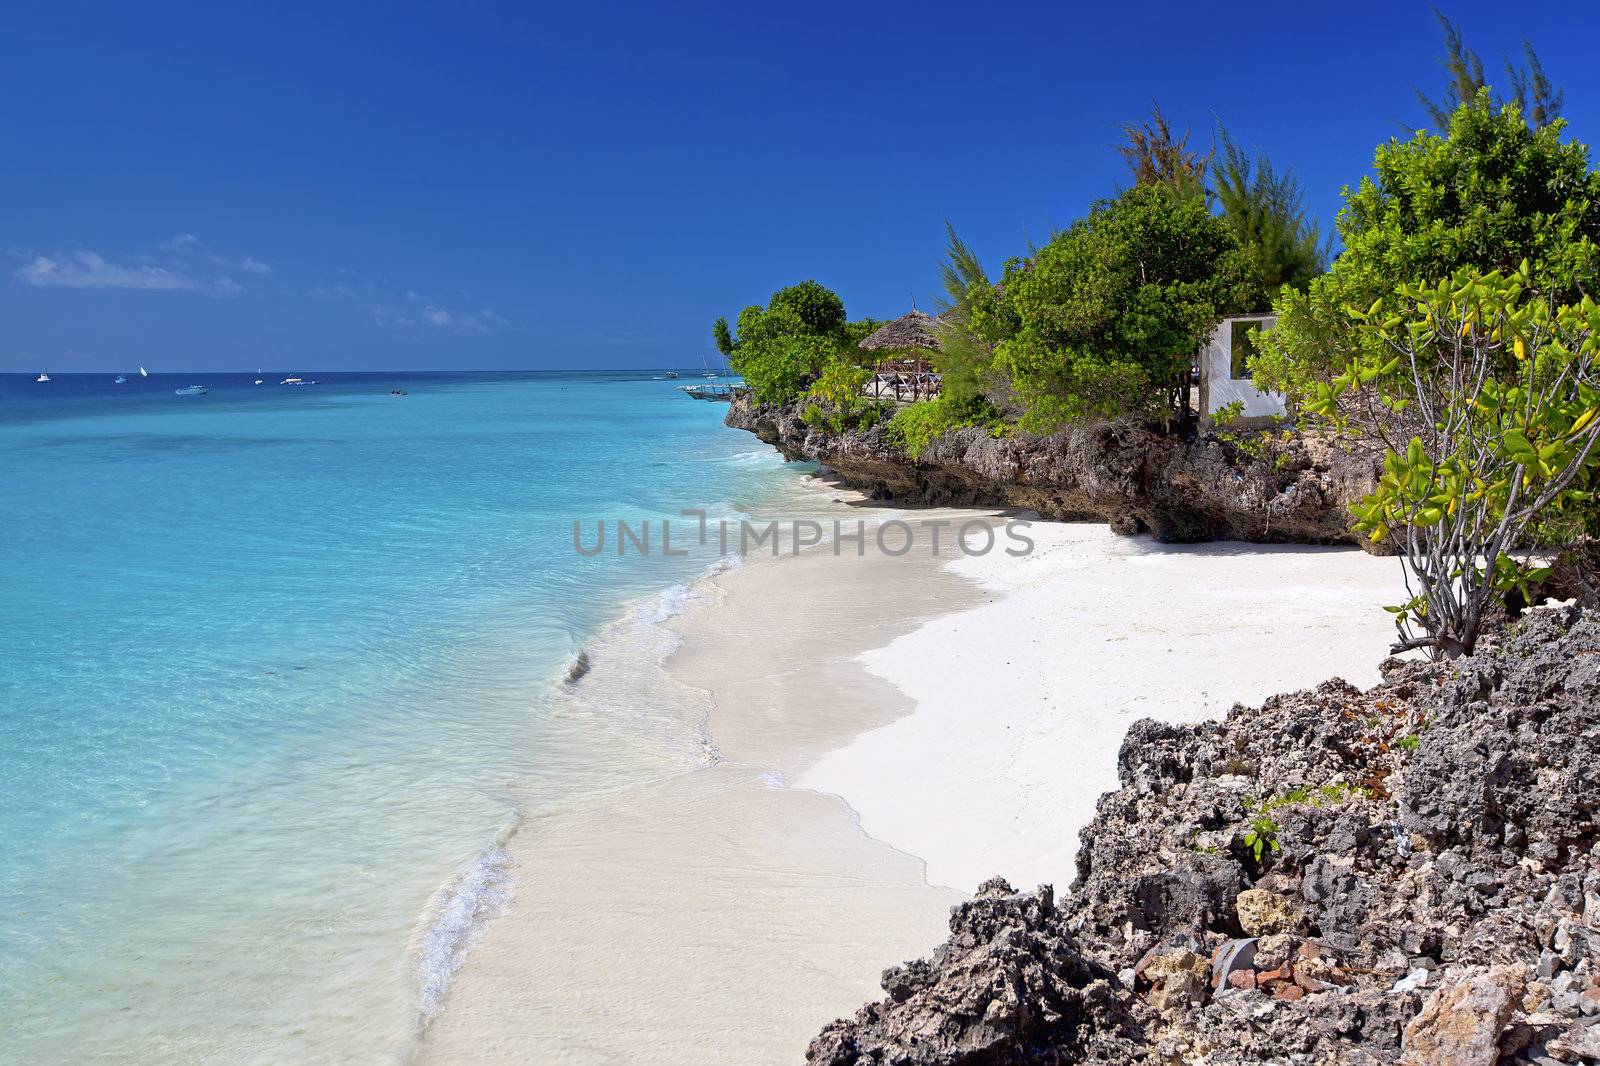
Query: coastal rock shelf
column 1125, row 473
column 1407, row 874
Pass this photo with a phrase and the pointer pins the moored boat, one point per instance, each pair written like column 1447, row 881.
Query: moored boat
column 190, row 390
column 715, row 392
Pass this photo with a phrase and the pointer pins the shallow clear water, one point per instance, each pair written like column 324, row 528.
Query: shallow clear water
column 277, row 670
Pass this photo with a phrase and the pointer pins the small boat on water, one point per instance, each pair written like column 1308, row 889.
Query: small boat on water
column 122, row 379
column 672, row 375
column 260, row 381
column 296, row 381
column 711, row 391
column 718, row 387
column 143, row 372
column 190, row 390
column 42, row 378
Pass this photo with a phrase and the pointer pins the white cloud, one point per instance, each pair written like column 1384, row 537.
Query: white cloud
column 90, row 270
column 186, row 267
column 484, row 321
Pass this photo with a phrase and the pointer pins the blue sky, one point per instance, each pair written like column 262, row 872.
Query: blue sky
column 478, row 186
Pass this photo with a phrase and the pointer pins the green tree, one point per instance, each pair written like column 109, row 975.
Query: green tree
column 1531, row 91
column 816, row 308
column 723, row 336
column 1497, row 387
column 1157, row 157
column 1105, row 319
column 783, row 347
column 1265, row 209
column 1493, row 192
column 782, row 368
column 964, row 360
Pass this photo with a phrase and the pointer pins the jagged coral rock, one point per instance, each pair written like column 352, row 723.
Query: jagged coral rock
column 1444, row 822
column 1462, row 1022
column 1127, row 473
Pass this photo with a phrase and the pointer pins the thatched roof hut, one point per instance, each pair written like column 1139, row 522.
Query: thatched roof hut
column 914, row 330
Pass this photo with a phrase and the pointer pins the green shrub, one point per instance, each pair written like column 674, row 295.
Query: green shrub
column 1493, row 382
column 1490, row 194
column 917, row 425
column 1103, row 319
column 840, row 404
column 784, row 347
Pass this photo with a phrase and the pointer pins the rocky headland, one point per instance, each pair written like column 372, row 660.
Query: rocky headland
column 1128, row 473
column 1406, row 874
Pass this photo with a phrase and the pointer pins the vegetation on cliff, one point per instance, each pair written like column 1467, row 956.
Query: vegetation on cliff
column 1453, row 330
column 783, row 347
column 1489, row 194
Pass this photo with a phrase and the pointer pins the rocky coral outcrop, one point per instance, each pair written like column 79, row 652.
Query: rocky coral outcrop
column 1127, row 473
column 1408, row 874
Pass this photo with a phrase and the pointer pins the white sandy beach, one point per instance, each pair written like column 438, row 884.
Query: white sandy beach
column 1022, row 703
column 891, row 732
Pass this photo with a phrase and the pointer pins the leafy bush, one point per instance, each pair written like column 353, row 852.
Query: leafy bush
column 781, row 368
column 917, row 425
column 1492, row 193
column 1499, row 386
column 1104, row 318
column 783, row 347
column 841, row 405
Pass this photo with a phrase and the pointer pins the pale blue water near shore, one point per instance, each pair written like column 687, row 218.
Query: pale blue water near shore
column 276, row 671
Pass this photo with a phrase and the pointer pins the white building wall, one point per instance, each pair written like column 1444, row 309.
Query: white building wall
column 1218, row 386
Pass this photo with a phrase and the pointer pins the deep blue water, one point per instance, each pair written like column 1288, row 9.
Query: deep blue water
column 273, row 666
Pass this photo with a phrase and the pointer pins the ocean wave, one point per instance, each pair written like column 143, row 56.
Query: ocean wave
column 460, row 912
column 672, row 601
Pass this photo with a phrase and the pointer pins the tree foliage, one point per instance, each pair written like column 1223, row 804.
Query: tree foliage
column 839, row 402
column 783, row 347
column 1106, row 316
column 1263, row 205
column 1498, row 386
column 1531, row 90
column 1265, row 209
column 1493, row 192
column 1159, row 158
column 916, row 425
column 964, row 360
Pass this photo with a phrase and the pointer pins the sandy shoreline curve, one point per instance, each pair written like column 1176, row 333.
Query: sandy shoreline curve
column 888, row 732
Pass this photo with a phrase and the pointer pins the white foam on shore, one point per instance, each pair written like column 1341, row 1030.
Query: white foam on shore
column 459, row 914
column 672, row 602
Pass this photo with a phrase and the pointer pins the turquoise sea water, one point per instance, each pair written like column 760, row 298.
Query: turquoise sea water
column 276, row 668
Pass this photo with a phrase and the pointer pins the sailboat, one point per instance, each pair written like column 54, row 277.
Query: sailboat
column 259, row 380
column 712, row 389
column 143, row 372
column 42, row 378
